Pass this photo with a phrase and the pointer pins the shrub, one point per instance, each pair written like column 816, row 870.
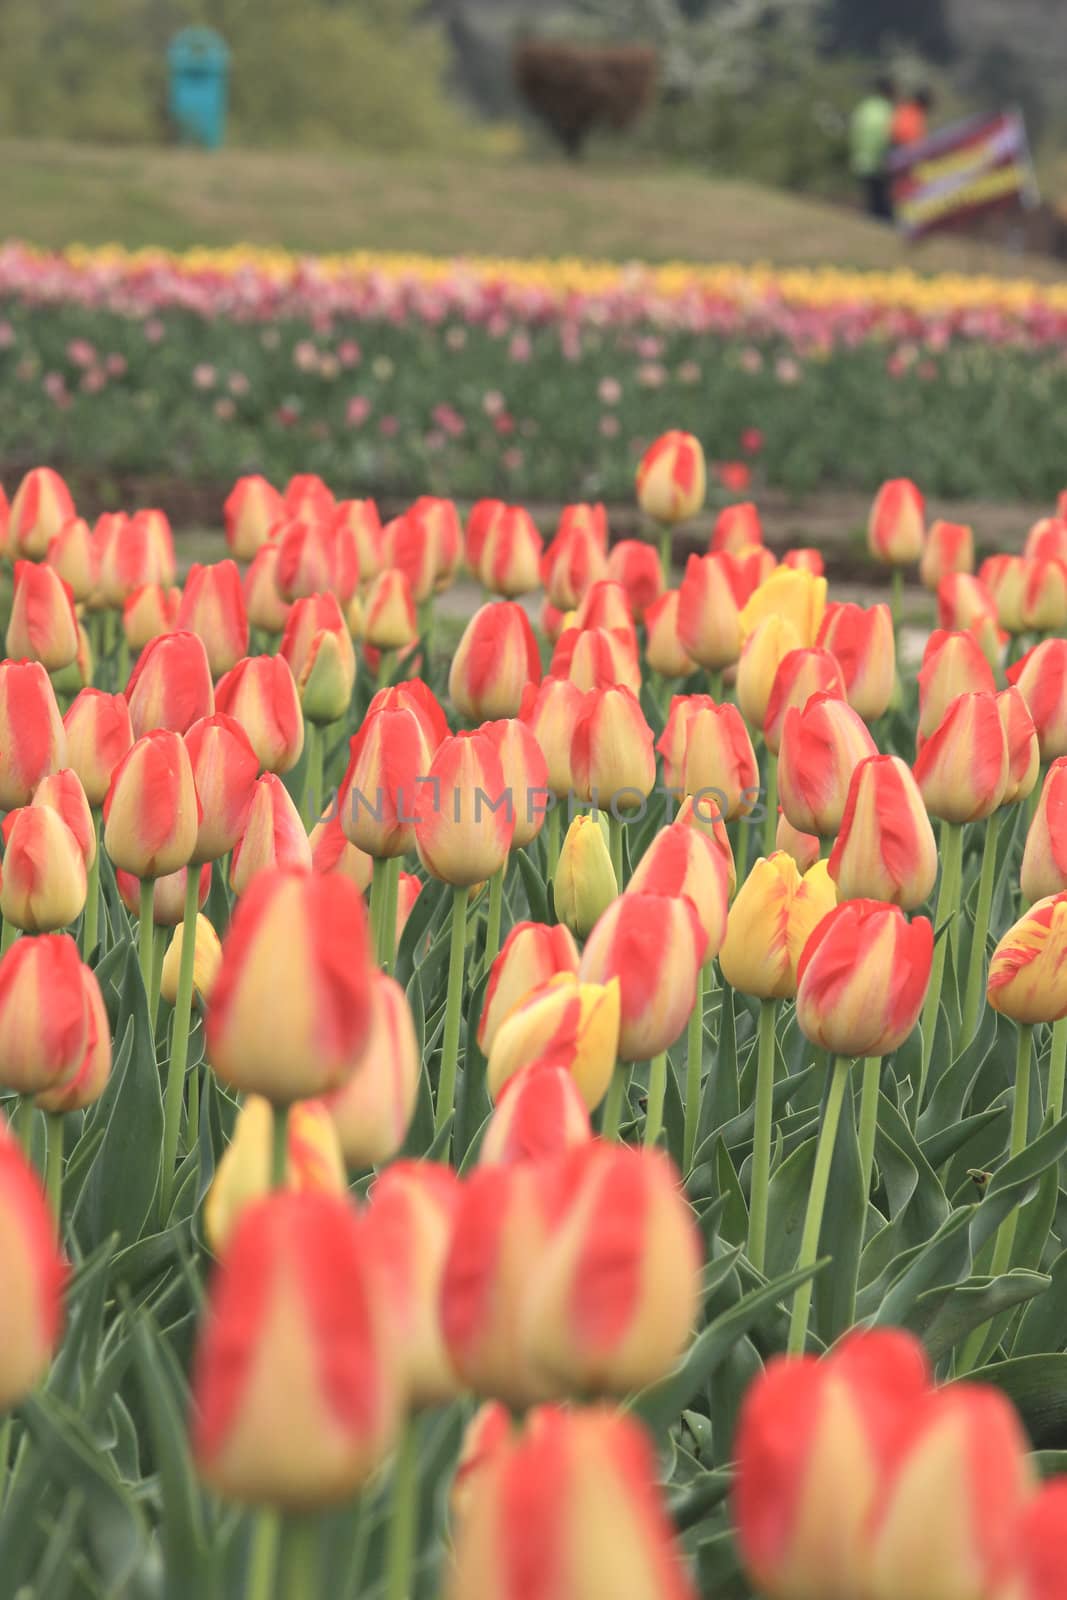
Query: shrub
column 576, row 88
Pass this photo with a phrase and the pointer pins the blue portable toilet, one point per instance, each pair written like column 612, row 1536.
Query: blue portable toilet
column 198, row 62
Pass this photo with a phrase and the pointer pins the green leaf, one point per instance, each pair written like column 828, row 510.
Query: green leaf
column 1016, row 1182
column 534, row 884
column 944, row 1259
column 1037, row 1388
column 941, row 1146
column 1043, row 1327
column 944, row 1317
column 843, row 1227
column 182, row 1526
column 659, row 1406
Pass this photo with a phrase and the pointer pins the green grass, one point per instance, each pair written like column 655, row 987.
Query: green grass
column 55, row 194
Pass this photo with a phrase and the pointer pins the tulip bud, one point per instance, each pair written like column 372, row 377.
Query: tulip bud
column 664, row 650
column 510, row 559
column 307, row 496
column 41, row 507
column 708, row 612
column 494, row 661
column 672, row 478
column 791, row 596
column 805, row 559
column 746, row 569
column 332, row 852
column 761, row 657
column 170, row 687
column 409, row 1228
column 408, row 546
column 539, row 1113
column 695, row 814
column 627, row 1220
column 953, row 664
column 266, row 608
column 805, row 848
column 44, row 1022
column 567, row 1021
column 1047, row 538
column 318, row 647
column 1028, row 971
column 598, row 658
column 1024, row 755
column 532, row 954
column 655, row 946
column 592, row 1521
column 386, row 783
column 415, row 696
column 1044, row 864
column 91, row 1078
column 962, row 768
column 224, row 771
column 635, row 566
column 812, row 1443
column 62, row 792
column 314, row 1366
column 964, row 1452
column 822, row 746
column 389, row 615
column 260, row 694
column 213, row 607
column 32, row 738
column 1004, row 577
column 863, row 644
column 949, row 548
column 250, row 510
column 1041, row 678
column 305, row 557
column 44, row 877
column 72, row 558
column 770, row 922
column 683, row 861
column 373, row 1109
column 243, row 1175
column 361, row 519
column 708, row 754
column 550, row 711
column 42, row 626
column 886, row 848
column 274, row 835
column 862, row 978
column 605, row 605
column 97, row 736
column 525, row 776
column 612, row 757
column 134, row 551
column 478, row 520
column 1044, row 601
column 308, row 1037
column 499, row 1228
column 148, row 613
column 800, row 674
column 573, row 561
column 168, row 894
column 207, row 959
column 963, row 602
column 33, row 1277
column 151, row 812
column 896, row 526
column 465, row 825
column 584, row 884
column 1034, row 1565
column 737, row 528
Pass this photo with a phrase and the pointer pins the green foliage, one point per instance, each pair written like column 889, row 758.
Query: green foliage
column 303, row 72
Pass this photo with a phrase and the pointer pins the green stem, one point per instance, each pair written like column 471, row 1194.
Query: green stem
column 25, row 1118
column 146, row 936
column 279, row 1148
column 872, row 1076
column 657, row 1091
column 948, row 900
column 392, row 896
column 263, row 1557
column 496, row 907
column 693, row 1073
column 386, row 660
column 179, row 1049
column 311, row 809
column 761, row 1141
column 976, row 966
column 665, row 542
column 446, row 1084
column 770, row 821
column 298, row 1568
column 614, row 1100
column 8, row 935
column 379, row 893
column 715, row 685
column 53, row 1181
column 744, row 833
column 403, row 1525
column 820, row 1178
column 1020, row 1120
column 159, row 950
column 91, row 919
column 1057, row 1065
column 615, row 847
column 552, row 832
column 896, row 601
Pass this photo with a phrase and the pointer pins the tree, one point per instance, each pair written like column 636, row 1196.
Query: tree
column 867, row 27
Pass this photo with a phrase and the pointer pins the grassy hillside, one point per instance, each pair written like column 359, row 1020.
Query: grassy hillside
column 54, row 194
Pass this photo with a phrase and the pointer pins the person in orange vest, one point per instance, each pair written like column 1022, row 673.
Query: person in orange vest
column 911, row 118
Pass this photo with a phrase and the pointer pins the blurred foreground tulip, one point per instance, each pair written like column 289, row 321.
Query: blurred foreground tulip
column 532, row 953
column 373, row 1107
column 33, row 1277
column 737, row 528
column 43, row 1019
column 539, row 1113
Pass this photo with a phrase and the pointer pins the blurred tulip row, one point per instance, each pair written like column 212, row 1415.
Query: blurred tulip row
column 568, row 1113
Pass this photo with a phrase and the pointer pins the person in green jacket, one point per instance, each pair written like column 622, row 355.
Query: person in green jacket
column 870, row 141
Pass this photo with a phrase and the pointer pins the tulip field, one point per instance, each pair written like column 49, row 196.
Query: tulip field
column 542, row 380
column 576, row 1114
